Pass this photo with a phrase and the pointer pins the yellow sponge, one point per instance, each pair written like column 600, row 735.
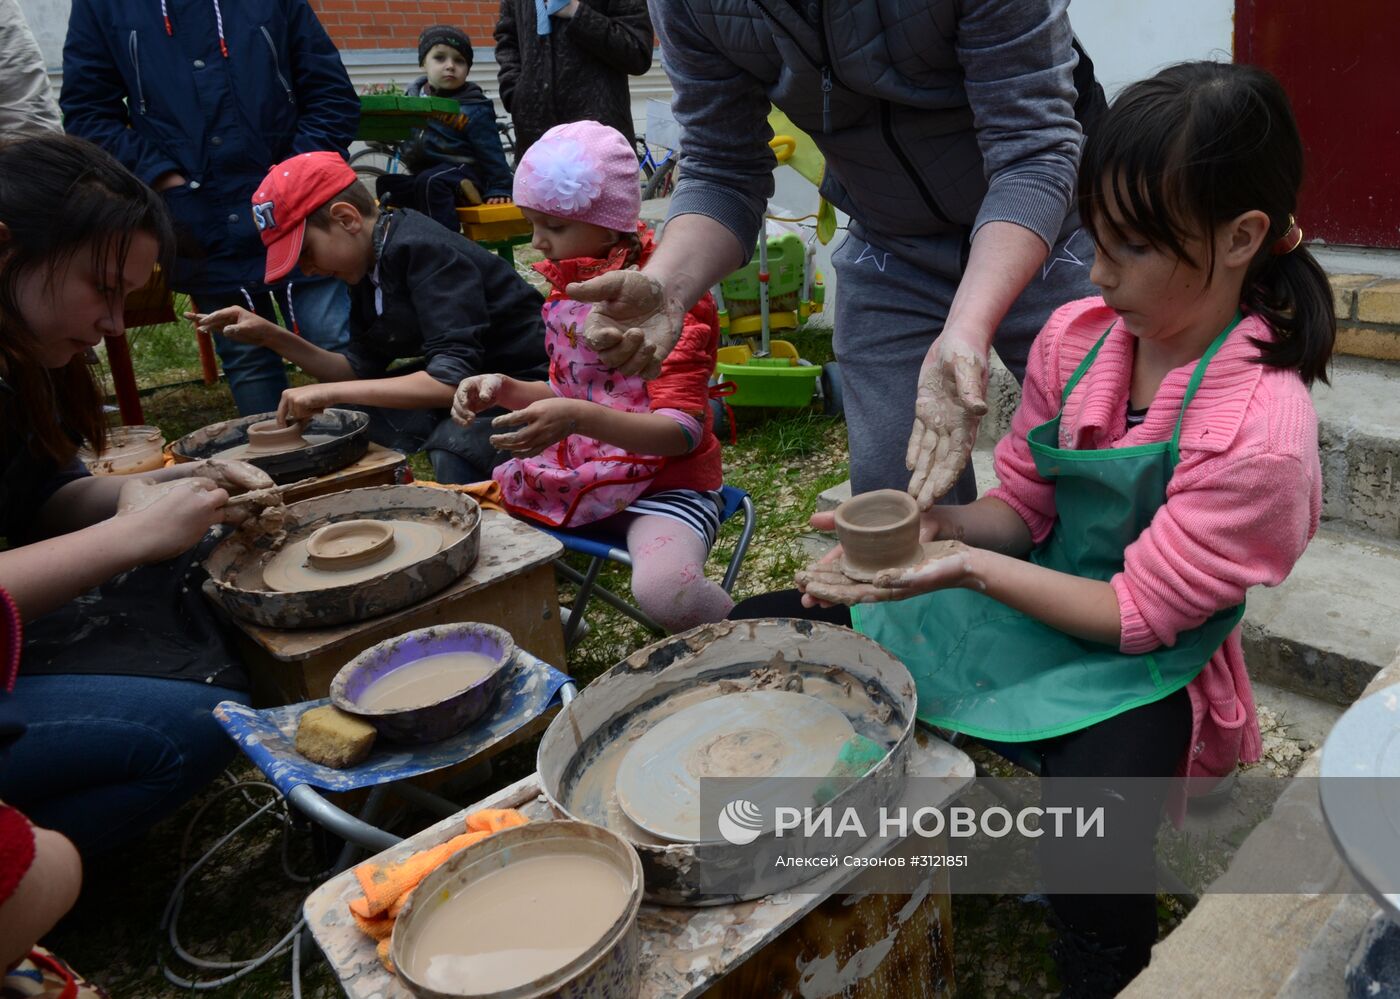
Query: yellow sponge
column 328, row 736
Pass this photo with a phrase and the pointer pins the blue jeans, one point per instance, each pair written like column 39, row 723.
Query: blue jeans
column 257, row 377
column 458, row 455
column 106, row 757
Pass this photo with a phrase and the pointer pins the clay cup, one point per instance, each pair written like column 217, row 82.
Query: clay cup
column 878, row 530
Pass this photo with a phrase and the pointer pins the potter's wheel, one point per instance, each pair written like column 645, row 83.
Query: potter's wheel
column 769, row 734
column 586, row 747
column 245, row 452
column 413, row 568
column 294, row 569
column 331, row 440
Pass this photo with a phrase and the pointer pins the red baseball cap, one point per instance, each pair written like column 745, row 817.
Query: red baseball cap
column 291, row 191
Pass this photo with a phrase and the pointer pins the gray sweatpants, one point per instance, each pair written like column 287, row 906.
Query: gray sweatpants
column 26, row 105
column 888, row 312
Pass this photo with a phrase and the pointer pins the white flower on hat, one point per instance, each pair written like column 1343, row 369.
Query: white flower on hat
column 566, row 179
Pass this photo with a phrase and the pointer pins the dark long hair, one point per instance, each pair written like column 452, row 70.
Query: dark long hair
column 60, row 196
column 1195, row 146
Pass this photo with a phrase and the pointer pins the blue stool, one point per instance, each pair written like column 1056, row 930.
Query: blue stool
column 602, row 546
column 268, row 738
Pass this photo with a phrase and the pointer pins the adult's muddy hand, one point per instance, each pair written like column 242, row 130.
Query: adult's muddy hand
column 951, row 402
column 632, row 326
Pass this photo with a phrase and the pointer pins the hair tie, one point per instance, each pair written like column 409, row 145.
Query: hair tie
column 1291, row 239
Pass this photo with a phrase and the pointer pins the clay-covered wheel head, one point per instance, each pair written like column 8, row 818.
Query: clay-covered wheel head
column 270, row 436
column 350, row 544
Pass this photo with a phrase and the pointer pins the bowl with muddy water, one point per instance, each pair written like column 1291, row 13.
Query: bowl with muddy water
column 426, row 685
column 878, row 530
column 544, row 909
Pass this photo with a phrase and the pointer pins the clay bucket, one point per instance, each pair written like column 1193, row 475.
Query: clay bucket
column 350, row 544
column 609, row 969
column 878, row 530
column 130, row 450
column 444, row 717
column 270, row 436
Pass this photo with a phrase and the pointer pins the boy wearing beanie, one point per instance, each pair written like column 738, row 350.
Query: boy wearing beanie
column 456, row 160
column 417, row 291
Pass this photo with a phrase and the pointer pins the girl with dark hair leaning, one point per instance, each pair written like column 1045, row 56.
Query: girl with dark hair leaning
column 121, row 662
column 1163, row 460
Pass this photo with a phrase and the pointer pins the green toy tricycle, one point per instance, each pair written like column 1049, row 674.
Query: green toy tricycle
column 779, row 290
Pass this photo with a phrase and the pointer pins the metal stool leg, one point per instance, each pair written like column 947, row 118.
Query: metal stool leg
column 357, row 832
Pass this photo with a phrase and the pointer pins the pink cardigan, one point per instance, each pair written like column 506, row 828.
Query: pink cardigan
column 1241, row 507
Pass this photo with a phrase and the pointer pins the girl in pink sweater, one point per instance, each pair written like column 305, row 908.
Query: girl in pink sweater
column 1162, row 461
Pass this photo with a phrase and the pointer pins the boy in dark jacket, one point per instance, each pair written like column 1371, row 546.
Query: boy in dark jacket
column 417, row 291
column 447, row 152
column 199, row 99
column 569, row 62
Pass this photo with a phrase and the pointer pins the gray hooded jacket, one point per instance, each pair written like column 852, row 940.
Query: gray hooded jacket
column 935, row 116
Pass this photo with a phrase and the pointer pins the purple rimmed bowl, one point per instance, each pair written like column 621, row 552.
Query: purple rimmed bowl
column 444, row 717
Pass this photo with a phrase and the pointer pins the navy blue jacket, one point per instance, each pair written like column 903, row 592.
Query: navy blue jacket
column 470, row 140
column 163, row 101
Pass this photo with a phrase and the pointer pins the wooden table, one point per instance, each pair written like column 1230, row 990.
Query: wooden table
column 379, row 467
column 512, row 586
column 819, row 942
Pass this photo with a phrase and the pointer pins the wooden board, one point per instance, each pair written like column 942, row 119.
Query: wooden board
column 379, row 467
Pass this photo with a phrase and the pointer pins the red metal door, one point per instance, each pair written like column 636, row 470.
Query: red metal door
column 1339, row 64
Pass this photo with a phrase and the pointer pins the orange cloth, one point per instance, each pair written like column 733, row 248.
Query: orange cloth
column 388, row 886
column 487, row 494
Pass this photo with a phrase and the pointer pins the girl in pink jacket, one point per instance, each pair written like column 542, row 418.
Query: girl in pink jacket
column 1162, row 461
column 593, row 446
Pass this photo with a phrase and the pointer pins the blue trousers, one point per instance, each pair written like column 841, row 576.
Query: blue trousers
column 106, row 757
column 257, row 377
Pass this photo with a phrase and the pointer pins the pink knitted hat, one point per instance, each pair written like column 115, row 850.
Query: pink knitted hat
column 583, row 171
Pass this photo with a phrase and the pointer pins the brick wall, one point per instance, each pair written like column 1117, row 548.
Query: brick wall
column 1368, row 315
column 395, row 24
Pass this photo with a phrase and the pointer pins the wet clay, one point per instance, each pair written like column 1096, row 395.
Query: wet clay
column 243, row 451
column 878, row 530
column 129, row 450
column 517, row 924
column 589, row 786
column 292, row 571
column 349, row 543
column 426, row 681
column 753, row 734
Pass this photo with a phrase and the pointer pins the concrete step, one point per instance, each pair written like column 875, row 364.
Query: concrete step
column 1333, row 623
column 1327, row 629
column 1359, row 435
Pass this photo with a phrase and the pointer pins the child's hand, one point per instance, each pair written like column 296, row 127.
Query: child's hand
column 238, row 324
column 544, row 423
column 500, row 199
column 167, row 518
column 304, row 402
column 474, row 394
column 824, row 583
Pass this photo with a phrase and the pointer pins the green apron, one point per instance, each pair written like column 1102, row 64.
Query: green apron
column 995, row 673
